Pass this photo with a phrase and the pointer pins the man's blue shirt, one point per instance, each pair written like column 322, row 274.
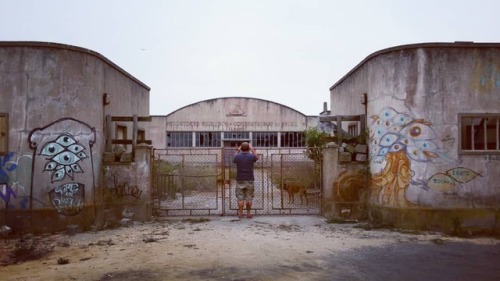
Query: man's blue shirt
column 244, row 166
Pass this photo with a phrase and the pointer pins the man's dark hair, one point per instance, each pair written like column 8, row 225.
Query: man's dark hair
column 245, row 146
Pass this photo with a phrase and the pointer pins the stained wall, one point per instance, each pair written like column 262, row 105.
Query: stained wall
column 415, row 94
column 53, row 97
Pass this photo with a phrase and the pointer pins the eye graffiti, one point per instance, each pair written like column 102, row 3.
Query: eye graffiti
column 63, row 156
column 392, row 131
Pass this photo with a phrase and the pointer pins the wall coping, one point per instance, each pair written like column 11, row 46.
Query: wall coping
column 35, row 44
column 456, row 44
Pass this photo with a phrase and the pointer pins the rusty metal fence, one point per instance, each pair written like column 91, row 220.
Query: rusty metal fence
column 190, row 182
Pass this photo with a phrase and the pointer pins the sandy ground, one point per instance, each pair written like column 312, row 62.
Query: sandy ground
column 221, row 248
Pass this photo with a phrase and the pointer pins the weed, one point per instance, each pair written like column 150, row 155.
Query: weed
column 62, row 261
column 29, row 247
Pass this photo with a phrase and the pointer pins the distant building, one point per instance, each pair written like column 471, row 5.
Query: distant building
column 225, row 122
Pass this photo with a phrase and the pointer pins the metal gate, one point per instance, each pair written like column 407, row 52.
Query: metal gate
column 196, row 182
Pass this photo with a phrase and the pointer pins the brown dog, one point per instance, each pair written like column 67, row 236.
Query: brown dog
column 292, row 189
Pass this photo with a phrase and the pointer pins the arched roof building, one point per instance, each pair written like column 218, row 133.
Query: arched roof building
column 221, row 122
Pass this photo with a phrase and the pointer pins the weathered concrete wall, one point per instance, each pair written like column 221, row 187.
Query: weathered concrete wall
column 127, row 192
column 415, row 94
column 345, row 186
column 157, row 132
column 53, row 95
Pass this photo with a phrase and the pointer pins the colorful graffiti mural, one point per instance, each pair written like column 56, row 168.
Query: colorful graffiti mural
column 398, row 139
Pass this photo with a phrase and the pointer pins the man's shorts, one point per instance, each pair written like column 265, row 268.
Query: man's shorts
column 244, row 190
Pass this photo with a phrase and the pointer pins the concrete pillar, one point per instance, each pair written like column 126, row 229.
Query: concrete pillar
column 330, row 171
column 143, row 169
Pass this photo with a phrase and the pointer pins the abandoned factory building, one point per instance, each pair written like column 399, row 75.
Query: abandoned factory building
column 224, row 122
column 427, row 117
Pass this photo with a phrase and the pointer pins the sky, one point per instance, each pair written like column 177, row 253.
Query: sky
column 286, row 51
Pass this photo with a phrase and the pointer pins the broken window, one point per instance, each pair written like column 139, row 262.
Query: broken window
column 479, row 133
column 179, row 139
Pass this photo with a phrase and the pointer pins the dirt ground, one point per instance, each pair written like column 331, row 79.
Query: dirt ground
column 226, row 248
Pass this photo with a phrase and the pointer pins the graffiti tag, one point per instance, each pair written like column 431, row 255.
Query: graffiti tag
column 68, row 199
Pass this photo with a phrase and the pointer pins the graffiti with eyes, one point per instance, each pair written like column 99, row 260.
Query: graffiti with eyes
column 60, row 165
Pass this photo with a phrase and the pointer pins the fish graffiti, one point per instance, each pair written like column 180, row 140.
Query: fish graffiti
column 447, row 181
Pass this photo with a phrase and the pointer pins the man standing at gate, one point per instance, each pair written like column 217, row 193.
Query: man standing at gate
column 244, row 160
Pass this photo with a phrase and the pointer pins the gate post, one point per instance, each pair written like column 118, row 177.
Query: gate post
column 143, row 170
column 330, row 169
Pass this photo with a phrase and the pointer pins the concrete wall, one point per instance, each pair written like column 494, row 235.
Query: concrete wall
column 345, row 186
column 53, row 95
column 157, row 132
column 422, row 89
column 128, row 189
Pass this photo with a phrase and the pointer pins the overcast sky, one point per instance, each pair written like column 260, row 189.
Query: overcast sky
column 286, row 51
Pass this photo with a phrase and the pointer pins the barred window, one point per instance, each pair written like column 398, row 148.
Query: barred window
column 352, row 129
column 265, row 139
column 4, row 133
column 208, row 139
column 179, row 139
column 293, row 139
column 479, row 133
column 236, row 135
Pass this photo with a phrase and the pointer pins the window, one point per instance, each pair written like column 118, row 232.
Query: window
column 236, row 135
column 121, row 133
column 352, row 129
column 293, row 139
column 265, row 139
column 179, row 139
column 479, row 133
column 4, row 133
column 141, row 135
column 208, row 139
